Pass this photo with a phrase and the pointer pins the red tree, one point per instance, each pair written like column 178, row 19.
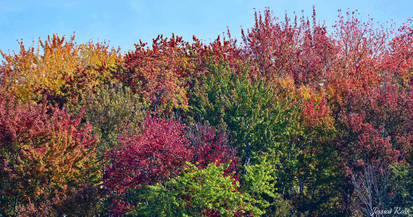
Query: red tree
column 48, row 163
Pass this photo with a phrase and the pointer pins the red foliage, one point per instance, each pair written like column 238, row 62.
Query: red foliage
column 379, row 125
column 295, row 48
column 164, row 72
column 218, row 51
column 398, row 61
column 210, row 147
column 359, row 78
column 155, row 155
column 47, row 159
column 371, row 98
column 159, row 73
column 159, row 153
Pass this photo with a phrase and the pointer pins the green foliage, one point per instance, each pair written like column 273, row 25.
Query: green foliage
column 111, row 109
column 402, row 185
column 259, row 182
column 197, row 192
column 290, row 126
column 306, row 166
column 248, row 109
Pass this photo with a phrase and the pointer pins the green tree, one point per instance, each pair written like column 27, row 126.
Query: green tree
column 197, row 192
column 247, row 109
column 111, row 109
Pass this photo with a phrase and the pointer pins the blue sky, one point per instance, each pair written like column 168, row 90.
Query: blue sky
column 123, row 23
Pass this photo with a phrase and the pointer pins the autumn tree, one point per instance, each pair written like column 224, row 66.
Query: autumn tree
column 159, row 72
column 111, row 109
column 48, row 163
column 297, row 47
column 58, row 70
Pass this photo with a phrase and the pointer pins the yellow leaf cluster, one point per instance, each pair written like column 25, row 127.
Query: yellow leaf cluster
column 52, row 68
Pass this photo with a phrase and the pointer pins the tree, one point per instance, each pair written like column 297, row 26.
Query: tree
column 247, row 109
column 370, row 100
column 197, row 192
column 159, row 73
column 294, row 47
column 111, row 110
column 48, row 163
column 58, row 71
column 157, row 154
column 154, row 155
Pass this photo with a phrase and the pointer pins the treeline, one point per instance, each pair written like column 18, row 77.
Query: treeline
column 291, row 121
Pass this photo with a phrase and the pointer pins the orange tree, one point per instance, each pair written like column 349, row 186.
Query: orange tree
column 58, row 70
column 48, row 163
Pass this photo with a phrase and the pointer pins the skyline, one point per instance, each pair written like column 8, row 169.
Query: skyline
column 126, row 22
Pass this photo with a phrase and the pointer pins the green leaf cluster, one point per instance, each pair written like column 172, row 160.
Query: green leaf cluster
column 247, row 108
column 195, row 193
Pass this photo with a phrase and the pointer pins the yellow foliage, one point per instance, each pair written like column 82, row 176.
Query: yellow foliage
column 54, row 66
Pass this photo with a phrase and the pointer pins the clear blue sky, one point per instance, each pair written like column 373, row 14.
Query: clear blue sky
column 122, row 23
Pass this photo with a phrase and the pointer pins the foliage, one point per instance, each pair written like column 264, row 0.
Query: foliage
column 111, row 109
column 259, row 182
column 151, row 156
column 158, row 73
column 296, row 120
column 158, row 153
column 245, row 109
column 401, row 178
column 58, row 70
column 197, row 192
column 371, row 104
column 165, row 72
column 211, row 147
column 48, row 163
column 295, row 47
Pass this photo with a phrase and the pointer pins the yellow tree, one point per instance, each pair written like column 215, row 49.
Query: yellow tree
column 57, row 70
